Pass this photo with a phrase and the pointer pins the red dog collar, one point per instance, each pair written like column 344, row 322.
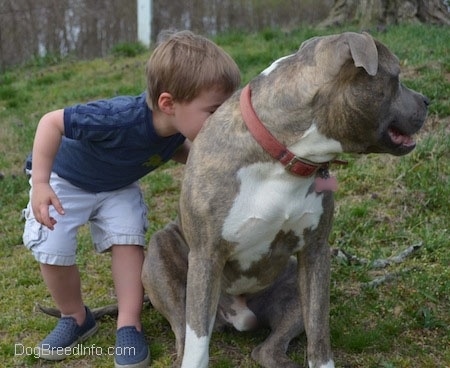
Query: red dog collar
column 278, row 151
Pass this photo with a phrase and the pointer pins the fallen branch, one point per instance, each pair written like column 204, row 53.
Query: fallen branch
column 108, row 310
column 378, row 263
column 389, row 277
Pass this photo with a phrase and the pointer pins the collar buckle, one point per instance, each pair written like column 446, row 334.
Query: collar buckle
column 299, row 166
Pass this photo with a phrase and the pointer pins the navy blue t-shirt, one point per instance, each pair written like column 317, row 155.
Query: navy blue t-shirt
column 109, row 144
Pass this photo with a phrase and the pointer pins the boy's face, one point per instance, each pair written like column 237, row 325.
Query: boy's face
column 190, row 116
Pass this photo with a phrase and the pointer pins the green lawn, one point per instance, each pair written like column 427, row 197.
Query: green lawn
column 384, row 205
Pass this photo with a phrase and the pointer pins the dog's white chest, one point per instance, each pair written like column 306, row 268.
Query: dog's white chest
column 270, row 200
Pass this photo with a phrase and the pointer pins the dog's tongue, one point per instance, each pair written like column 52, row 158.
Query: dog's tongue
column 323, row 184
column 399, row 138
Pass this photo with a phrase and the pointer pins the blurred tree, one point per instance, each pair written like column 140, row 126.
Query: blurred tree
column 35, row 29
column 369, row 13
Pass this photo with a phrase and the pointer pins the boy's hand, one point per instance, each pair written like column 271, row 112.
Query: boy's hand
column 42, row 197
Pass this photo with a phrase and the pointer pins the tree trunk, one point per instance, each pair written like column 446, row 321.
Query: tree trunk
column 369, row 13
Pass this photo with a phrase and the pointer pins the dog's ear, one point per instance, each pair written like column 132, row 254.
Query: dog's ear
column 364, row 51
column 336, row 50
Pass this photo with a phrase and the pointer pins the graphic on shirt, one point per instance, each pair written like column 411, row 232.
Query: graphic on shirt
column 154, row 161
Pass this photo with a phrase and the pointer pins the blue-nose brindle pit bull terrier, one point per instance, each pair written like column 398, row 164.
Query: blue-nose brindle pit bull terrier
column 250, row 245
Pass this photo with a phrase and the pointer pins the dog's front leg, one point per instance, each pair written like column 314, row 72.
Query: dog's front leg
column 202, row 298
column 314, row 283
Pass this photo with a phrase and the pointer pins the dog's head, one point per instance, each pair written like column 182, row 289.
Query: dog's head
column 350, row 84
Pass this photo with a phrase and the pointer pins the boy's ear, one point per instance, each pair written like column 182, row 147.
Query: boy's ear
column 166, row 103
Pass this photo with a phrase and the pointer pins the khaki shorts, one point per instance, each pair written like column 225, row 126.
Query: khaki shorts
column 116, row 218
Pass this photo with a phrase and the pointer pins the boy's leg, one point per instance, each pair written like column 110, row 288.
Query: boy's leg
column 119, row 225
column 127, row 263
column 64, row 285
column 56, row 253
column 76, row 323
column 131, row 346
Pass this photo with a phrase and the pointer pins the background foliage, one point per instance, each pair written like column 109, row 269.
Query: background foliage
column 90, row 28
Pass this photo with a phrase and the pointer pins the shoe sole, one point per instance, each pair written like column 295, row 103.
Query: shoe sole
column 142, row 364
column 60, row 354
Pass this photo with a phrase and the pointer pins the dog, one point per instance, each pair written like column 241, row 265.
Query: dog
column 250, row 245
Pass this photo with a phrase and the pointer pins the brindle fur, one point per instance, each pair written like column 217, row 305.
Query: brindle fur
column 348, row 86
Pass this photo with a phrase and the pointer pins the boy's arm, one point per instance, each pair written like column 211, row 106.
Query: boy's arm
column 46, row 143
column 182, row 152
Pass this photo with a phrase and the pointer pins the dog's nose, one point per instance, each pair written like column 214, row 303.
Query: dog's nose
column 426, row 101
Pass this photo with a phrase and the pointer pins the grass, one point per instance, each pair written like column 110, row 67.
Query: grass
column 384, row 204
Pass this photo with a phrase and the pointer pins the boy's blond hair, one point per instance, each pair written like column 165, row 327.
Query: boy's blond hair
column 185, row 64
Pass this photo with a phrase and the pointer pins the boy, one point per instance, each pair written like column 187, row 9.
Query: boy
column 87, row 160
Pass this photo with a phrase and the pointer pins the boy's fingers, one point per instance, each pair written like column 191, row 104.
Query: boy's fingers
column 52, row 223
column 47, row 219
column 57, row 205
column 44, row 217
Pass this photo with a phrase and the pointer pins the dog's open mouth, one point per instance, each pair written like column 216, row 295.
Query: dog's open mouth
column 400, row 139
